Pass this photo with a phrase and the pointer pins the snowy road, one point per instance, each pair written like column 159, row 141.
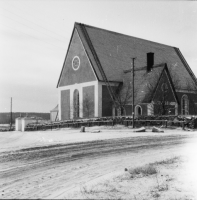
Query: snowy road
column 55, row 170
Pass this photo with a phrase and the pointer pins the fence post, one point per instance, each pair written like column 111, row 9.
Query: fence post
column 166, row 123
column 183, row 127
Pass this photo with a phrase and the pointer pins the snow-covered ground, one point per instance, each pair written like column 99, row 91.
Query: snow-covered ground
column 10, row 141
column 82, row 159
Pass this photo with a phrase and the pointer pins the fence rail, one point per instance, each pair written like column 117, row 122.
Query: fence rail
column 111, row 122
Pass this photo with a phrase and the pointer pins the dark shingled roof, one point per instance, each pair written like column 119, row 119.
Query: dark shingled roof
column 144, row 91
column 114, row 52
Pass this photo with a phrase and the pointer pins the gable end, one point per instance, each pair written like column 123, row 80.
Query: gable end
column 165, row 75
column 85, row 72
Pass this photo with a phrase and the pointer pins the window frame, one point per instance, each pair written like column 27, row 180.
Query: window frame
column 136, row 111
column 78, row 65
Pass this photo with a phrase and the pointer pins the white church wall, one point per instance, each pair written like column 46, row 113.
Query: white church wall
column 79, row 87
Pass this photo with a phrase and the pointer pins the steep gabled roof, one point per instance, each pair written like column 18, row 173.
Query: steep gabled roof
column 114, row 52
column 166, row 79
column 145, row 83
column 54, row 109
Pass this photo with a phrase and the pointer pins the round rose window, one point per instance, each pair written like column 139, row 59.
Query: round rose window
column 76, row 63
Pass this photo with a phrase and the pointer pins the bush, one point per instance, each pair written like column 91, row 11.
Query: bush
column 145, row 170
column 167, row 161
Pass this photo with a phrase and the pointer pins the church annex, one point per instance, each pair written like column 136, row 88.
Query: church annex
column 96, row 77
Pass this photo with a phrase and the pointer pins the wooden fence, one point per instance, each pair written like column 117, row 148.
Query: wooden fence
column 110, row 122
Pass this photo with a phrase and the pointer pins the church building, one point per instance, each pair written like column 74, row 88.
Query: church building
column 97, row 77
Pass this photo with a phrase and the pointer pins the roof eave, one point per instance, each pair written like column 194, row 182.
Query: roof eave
column 65, row 57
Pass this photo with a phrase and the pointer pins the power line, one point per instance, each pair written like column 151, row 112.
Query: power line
column 29, row 27
column 34, row 37
column 33, row 22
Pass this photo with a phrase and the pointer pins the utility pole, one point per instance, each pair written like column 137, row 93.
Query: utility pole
column 11, row 114
column 133, row 95
column 132, row 77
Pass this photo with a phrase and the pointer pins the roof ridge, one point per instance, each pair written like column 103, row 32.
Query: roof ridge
column 113, row 32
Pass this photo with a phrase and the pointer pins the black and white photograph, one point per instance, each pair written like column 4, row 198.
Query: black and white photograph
column 98, row 99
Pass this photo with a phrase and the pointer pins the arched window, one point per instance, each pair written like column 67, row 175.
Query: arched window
column 138, row 110
column 184, row 105
column 76, row 104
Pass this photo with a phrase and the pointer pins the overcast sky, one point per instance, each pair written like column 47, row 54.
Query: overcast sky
column 34, row 37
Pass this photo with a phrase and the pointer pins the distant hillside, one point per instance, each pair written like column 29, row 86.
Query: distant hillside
column 5, row 117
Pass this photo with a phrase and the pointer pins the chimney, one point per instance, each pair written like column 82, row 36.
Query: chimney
column 150, row 61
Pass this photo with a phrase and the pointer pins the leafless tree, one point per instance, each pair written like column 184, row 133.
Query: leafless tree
column 160, row 104
column 191, row 86
column 175, row 79
column 88, row 106
column 125, row 97
column 75, row 110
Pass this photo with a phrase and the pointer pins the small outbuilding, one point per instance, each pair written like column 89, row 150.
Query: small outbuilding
column 54, row 114
column 18, row 124
column 22, row 122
